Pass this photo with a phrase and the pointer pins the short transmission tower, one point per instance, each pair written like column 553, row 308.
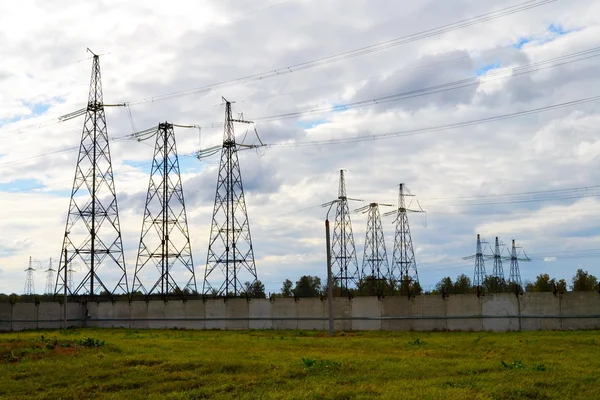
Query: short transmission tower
column 343, row 253
column 93, row 232
column 50, row 278
column 404, row 266
column 165, row 254
column 29, row 283
column 230, row 251
column 514, row 278
column 479, row 274
column 375, row 266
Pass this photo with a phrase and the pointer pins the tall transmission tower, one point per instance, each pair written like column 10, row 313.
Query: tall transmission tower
column 93, row 232
column 343, row 252
column 230, row 259
column 498, row 269
column 404, row 266
column 375, row 266
column 50, row 278
column 165, row 254
column 514, row 278
column 29, row 283
column 480, row 274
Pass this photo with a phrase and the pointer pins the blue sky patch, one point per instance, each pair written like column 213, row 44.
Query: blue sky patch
column 486, row 68
column 310, row 124
column 20, row 185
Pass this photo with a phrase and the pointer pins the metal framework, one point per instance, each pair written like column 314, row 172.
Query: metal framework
column 29, row 283
column 343, row 252
column 165, row 255
column 230, row 259
column 498, row 271
column 375, row 265
column 404, row 265
column 93, row 232
column 49, row 278
column 515, row 273
column 479, row 274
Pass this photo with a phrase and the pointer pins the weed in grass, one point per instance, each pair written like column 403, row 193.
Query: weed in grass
column 539, row 367
column 517, row 364
column 416, row 342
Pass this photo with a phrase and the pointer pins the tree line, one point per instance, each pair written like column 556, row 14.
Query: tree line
column 312, row 286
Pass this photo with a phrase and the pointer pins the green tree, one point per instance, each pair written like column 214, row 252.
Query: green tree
column 542, row 283
column 308, row 286
column 255, row 290
column 494, row 284
column 462, row 284
column 584, row 282
column 287, row 290
column 445, row 286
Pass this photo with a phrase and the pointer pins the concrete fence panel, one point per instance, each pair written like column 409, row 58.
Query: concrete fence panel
column 500, row 305
column 575, row 304
column 260, row 308
column 238, row 310
column 286, row 308
column 215, row 312
column 464, row 305
column 5, row 317
column 194, row 312
column 534, row 306
column 366, row 307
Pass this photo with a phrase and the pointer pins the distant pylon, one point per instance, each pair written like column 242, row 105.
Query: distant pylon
column 29, row 283
column 164, row 255
column 70, row 277
column 375, row 264
column 230, row 249
column 515, row 273
column 93, row 232
column 404, row 265
column 50, row 278
column 498, row 269
column 479, row 275
column 344, row 265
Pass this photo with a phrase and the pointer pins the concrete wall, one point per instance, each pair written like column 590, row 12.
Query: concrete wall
column 494, row 312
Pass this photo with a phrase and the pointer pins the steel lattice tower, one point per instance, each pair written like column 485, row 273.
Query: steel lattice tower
column 93, row 232
column 29, row 283
column 50, row 278
column 230, row 249
column 165, row 253
column 343, row 253
column 479, row 275
column 404, row 265
column 498, row 269
column 375, row 264
column 515, row 273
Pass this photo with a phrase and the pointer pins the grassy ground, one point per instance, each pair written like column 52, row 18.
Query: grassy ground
column 120, row 363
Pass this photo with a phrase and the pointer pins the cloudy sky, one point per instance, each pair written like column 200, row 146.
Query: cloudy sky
column 416, row 68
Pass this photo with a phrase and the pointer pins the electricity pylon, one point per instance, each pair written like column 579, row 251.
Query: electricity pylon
column 164, row 254
column 375, row 266
column 343, row 252
column 93, row 232
column 404, row 265
column 514, row 278
column 50, row 278
column 29, row 283
column 479, row 274
column 230, row 250
column 498, row 271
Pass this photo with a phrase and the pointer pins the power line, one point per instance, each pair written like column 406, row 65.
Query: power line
column 527, row 5
column 445, row 87
column 419, row 131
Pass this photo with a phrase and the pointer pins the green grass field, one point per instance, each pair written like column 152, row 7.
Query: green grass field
column 179, row 364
